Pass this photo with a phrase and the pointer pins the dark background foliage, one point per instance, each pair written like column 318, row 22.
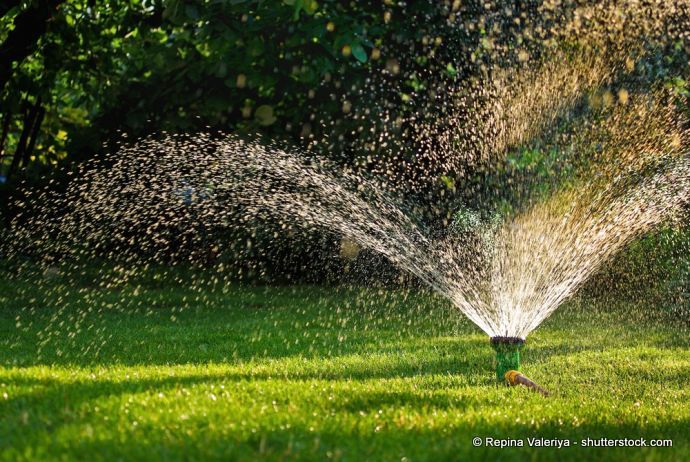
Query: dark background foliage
column 78, row 76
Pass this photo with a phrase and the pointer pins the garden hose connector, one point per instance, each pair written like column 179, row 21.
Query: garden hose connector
column 507, row 355
column 517, row 378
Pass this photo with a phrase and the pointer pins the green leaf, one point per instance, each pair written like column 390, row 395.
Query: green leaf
column 359, row 53
column 191, row 12
column 310, row 6
column 222, row 70
column 448, row 181
column 298, row 8
column 255, row 48
column 264, row 115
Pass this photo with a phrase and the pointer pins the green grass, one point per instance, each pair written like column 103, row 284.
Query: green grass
column 170, row 372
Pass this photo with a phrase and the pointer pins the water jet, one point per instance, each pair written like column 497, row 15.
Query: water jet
column 548, row 210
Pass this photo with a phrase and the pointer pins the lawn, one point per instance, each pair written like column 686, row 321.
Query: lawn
column 176, row 371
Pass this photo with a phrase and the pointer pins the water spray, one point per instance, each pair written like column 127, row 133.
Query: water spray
column 508, row 363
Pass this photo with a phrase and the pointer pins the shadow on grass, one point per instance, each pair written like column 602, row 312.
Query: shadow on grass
column 329, row 369
column 263, row 324
column 231, row 336
column 369, row 441
column 461, row 372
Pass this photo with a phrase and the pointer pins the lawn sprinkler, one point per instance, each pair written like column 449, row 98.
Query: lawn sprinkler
column 507, row 354
column 508, row 363
column 518, row 378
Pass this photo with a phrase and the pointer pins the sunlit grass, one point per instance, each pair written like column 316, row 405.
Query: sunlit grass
column 318, row 373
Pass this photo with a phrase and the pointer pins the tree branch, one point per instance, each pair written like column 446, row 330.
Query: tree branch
column 34, row 135
column 7, row 5
column 29, row 27
column 29, row 118
column 5, row 130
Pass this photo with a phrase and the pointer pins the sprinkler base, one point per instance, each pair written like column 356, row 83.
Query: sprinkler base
column 507, row 355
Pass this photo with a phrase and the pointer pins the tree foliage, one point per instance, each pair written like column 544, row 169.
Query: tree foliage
column 94, row 67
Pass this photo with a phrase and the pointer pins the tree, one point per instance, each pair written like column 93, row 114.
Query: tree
column 29, row 26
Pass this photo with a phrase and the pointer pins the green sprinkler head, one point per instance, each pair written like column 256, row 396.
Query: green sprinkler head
column 507, row 354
